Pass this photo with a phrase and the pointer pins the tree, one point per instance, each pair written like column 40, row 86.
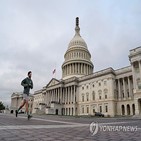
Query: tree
column 2, row 107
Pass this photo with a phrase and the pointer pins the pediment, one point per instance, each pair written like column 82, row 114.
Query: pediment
column 52, row 82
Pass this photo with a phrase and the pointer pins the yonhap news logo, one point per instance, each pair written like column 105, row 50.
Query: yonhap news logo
column 95, row 127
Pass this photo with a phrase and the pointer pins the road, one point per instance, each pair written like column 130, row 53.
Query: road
column 65, row 128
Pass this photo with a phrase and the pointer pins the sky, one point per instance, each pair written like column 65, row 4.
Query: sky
column 34, row 35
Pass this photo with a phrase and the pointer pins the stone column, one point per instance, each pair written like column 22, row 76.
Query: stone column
column 63, row 95
column 87, row 69
column 48, row 97
column 51, row 96
column 140, row 68
column 74, row 101
column 74, row 95
column 134, row 81
column 66, row 70
column 129, row 87
column 131, row 109
column 67, row 95
column 136, row 106
column 119, row 89
column 55, row 94
column 81, row 68
column 71, row 95
column 84, row 69
column 60, row 94
column 124, row 89
column 76, row 68
column 70, row 68
column 66, row 98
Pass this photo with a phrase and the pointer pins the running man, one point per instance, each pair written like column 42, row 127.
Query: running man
column 27, row 84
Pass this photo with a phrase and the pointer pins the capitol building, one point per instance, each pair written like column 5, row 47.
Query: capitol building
column 81, row 91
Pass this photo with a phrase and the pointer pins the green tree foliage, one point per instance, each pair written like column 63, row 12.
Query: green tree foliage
column 2, row 107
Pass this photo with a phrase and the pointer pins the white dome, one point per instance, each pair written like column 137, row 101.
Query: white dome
column 77, row 41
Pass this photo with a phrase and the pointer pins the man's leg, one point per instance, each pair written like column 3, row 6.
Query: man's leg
column 27, row 111
column 27, row 107
column 23, row 103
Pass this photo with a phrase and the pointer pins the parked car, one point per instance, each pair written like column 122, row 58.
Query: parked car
column 21, row 112
column 99, row 114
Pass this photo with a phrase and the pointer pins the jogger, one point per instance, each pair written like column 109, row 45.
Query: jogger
column 27, row 84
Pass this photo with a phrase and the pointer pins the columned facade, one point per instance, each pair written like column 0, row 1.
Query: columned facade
column 60, row 99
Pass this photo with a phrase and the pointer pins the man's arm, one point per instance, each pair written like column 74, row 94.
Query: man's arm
column 31, row 84
column 24, row 83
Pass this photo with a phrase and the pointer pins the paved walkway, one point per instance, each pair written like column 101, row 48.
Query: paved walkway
column 61, row 128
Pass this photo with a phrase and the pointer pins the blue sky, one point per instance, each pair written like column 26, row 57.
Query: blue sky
column 34, row 35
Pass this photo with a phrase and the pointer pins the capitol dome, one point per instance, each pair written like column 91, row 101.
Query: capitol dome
column 77, row 40
column 77, row 57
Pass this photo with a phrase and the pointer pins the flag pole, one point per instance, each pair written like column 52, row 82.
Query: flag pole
column 55, row 70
